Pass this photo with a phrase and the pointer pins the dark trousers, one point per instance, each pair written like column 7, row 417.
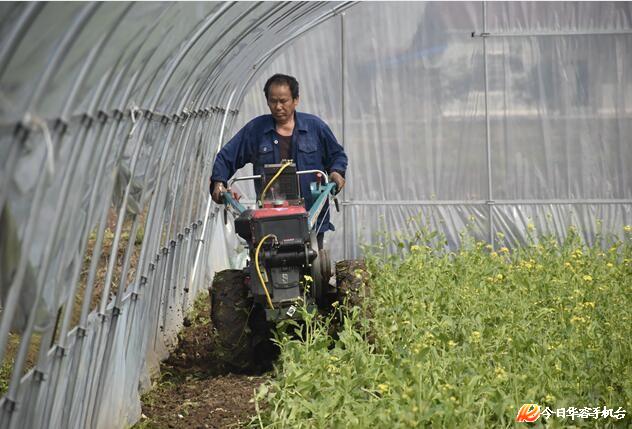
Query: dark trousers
column 320, row 237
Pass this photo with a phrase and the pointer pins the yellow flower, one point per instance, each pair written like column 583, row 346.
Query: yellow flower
column 383, row 387
column 627, row 228
column 609, row 265
column 549, row 399
column 494, row 254
column 530, row 226
column 475, row 337
column 499, row 276
column 504, row 250
column 451, row 343
column 567, row 264
column 415, row 248
column 587, row 278
column 578, row 319
column 501, row 374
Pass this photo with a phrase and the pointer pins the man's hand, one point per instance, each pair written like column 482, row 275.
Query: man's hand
column 338, row 180
column 218, row 191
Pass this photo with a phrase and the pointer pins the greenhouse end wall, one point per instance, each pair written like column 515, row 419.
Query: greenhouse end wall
column 498, row 115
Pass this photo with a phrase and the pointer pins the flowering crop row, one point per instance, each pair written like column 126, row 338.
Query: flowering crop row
column 465, row 339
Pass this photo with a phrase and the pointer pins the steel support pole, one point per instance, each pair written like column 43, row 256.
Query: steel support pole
column 343, row 107
column 488, row 149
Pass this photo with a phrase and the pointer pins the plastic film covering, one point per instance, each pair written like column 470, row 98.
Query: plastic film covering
column 495, row 115
column 110, row 118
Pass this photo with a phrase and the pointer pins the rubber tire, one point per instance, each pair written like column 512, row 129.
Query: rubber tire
column 353, row 282
column 230, row 310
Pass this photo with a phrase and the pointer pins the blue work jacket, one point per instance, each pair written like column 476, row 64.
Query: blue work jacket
column 314, row 147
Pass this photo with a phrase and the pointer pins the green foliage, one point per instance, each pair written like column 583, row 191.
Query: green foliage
column 140, row 235
column 463, row 339
column 6, row 369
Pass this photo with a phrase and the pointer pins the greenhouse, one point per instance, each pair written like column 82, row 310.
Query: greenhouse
column 481, row 202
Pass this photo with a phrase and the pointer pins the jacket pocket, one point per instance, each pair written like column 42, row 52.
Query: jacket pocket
column 308, row 153
column 265, row 154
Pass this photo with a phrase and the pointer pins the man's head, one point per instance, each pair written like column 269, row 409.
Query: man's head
column 282, row 96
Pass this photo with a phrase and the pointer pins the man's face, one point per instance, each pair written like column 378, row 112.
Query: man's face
column 281, row 103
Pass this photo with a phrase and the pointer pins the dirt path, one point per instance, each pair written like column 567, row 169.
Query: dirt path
column 193, row 390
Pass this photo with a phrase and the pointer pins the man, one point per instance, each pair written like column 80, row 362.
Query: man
column 284, row 134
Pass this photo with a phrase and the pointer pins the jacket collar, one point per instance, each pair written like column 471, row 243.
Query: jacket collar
column 299, row 123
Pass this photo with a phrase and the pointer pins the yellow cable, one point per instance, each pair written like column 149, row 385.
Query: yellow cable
column 265, row 289
column 283, row 167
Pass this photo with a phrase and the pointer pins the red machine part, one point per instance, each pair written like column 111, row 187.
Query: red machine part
column 277, row 211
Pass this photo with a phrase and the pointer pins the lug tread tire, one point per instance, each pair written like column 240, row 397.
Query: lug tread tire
column 353, row 282
column 230, row 309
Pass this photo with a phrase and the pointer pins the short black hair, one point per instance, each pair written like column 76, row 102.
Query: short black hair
column 282, row 79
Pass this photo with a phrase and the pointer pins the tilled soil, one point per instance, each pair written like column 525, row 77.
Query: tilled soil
column 194, row 390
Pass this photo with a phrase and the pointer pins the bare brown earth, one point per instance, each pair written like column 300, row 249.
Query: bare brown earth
column 194, row 390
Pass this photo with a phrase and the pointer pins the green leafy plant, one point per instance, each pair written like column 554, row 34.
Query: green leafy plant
column 464, row 339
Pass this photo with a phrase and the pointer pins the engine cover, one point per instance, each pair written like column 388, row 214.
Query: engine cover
column 283, row 263
column 288, row 224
